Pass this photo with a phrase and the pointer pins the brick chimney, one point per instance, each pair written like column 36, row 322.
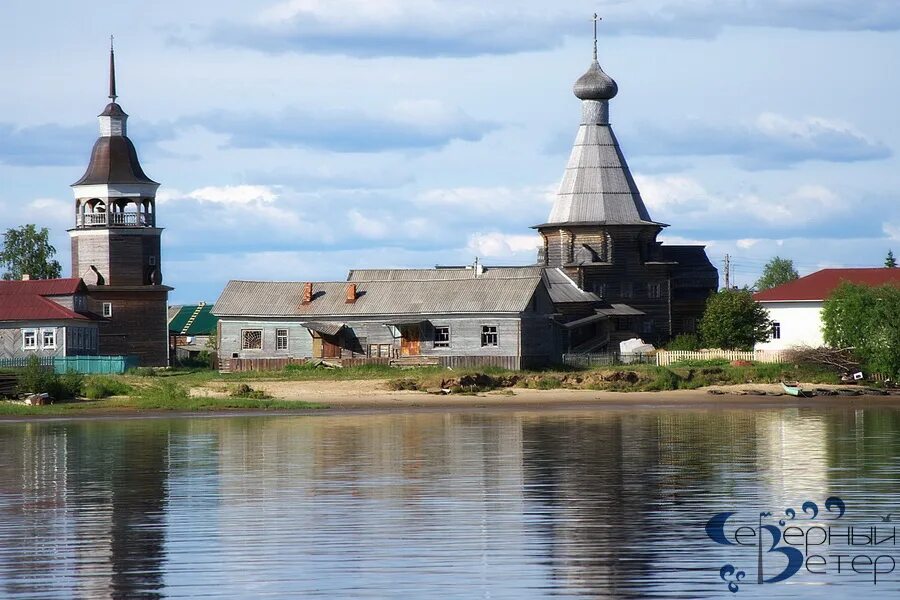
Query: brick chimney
column 351, row 293
column 307, row 293
column 26, row 277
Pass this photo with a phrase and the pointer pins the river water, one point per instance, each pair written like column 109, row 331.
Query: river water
column 569, row 504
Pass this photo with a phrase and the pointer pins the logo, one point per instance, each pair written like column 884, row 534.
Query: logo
column 819, row 543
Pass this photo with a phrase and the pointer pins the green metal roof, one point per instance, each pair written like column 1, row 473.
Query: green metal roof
column 194, row 319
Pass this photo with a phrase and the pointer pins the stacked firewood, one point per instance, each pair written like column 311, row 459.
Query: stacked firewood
column 8, row 383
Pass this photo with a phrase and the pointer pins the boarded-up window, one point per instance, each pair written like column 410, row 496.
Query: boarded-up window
column 654, row 290
column 251, row 339
column 488, row 336
column 441, row 337
column 281, row 339
column 627, row 289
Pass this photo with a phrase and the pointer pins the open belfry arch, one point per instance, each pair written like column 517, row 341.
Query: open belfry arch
column 116, row 243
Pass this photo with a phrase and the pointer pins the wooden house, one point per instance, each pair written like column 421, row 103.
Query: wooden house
column 46, row 318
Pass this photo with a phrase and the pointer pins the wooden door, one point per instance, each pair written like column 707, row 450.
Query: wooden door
column 410, row 344
column 330, row 347
column 317, row 347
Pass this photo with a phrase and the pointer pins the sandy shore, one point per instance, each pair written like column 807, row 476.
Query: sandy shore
column 374, row 395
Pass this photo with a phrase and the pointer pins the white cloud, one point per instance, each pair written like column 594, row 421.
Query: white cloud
column 892, row 230
column 747, row 243
column 502, row 245
column 488, row 200
column 368, row 226
column 240, row 195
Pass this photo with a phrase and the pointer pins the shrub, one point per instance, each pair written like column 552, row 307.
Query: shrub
column 245, row 391
column 35, row 378
column 98, row 386
column 71, row 385
column 685, row 341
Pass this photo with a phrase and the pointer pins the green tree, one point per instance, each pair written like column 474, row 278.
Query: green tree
column 27, row 251
column 866, row 320
column 776, row 272
column 733, row 320
column 890, row 262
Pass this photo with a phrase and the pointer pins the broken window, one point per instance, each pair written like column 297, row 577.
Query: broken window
column 488, row 336
column 442, row 337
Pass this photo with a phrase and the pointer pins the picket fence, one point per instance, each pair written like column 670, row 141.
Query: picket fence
column 665, row 358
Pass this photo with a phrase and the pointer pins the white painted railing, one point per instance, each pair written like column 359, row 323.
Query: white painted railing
column 665, row 358
column 127, row 219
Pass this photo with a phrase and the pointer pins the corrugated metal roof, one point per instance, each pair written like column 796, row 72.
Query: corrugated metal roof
column 31, row 307
column 204, row 323
column 597, row 186
column 442, row 273
column 324, row 327
column 562, row 289
column 378, row 298
column 42, row 287
column 819, row 285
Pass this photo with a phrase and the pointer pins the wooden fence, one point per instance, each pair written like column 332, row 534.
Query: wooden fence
column 665, row 358
column 588, row 360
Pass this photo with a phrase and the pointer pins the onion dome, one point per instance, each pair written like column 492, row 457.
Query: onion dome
column 595, row 84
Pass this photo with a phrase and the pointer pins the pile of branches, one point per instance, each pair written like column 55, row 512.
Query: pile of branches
column 841, row 359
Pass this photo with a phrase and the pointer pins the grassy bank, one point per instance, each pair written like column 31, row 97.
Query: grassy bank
column 107, row 394
column 621, row 378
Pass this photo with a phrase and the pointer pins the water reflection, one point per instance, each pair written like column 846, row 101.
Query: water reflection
column 600, row 504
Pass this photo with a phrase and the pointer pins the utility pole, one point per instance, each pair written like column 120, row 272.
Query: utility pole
column 727, row 272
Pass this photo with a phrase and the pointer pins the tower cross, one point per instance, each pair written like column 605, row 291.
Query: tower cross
column 596, row 18
column 112, row 71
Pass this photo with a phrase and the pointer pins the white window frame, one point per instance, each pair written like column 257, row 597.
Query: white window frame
column 34, row 334
column 495, row 333
column 44, row 332
column 107, row 310
column 285, row 338
column 244, row 333
column 442, row 343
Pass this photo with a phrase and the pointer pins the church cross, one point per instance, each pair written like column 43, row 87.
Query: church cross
column 596, row 18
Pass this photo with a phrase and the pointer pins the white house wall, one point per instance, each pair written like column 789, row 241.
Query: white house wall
column 801, row 324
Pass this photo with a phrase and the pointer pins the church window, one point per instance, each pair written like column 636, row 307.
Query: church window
column 654, row 290
column 442, row 337
column 776, row 330
column 627, row 289
column 689, row 325
column 107, row 309
column 281, row 339
column 29, row 339
column 48, row 338
column 648, row 326
column 489, row 338
column 599, row 288
column 152, row 261
column 251, row 339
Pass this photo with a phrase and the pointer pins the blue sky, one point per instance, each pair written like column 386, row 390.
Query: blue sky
column 298, row 139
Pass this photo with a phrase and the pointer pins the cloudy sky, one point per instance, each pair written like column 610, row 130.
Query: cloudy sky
column 297, row 139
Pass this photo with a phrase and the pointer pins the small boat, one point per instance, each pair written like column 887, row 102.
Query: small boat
column 792, row 388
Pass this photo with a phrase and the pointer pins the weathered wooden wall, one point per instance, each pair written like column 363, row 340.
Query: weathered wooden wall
column 138, row 326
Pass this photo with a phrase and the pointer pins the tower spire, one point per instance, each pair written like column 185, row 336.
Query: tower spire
column 112, row 70
column 596, row 18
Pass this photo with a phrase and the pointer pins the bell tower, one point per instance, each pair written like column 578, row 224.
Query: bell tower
column 116, row 244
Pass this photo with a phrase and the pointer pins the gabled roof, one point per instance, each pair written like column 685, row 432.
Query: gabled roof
column 819, row 285
column 32, row 307
column 193, row 319
column 42, row 287
column 378, row 298
column 442, row 273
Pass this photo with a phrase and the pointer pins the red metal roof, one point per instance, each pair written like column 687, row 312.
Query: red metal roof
column 31, row 307
column 41, row 287
column 819, row 285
